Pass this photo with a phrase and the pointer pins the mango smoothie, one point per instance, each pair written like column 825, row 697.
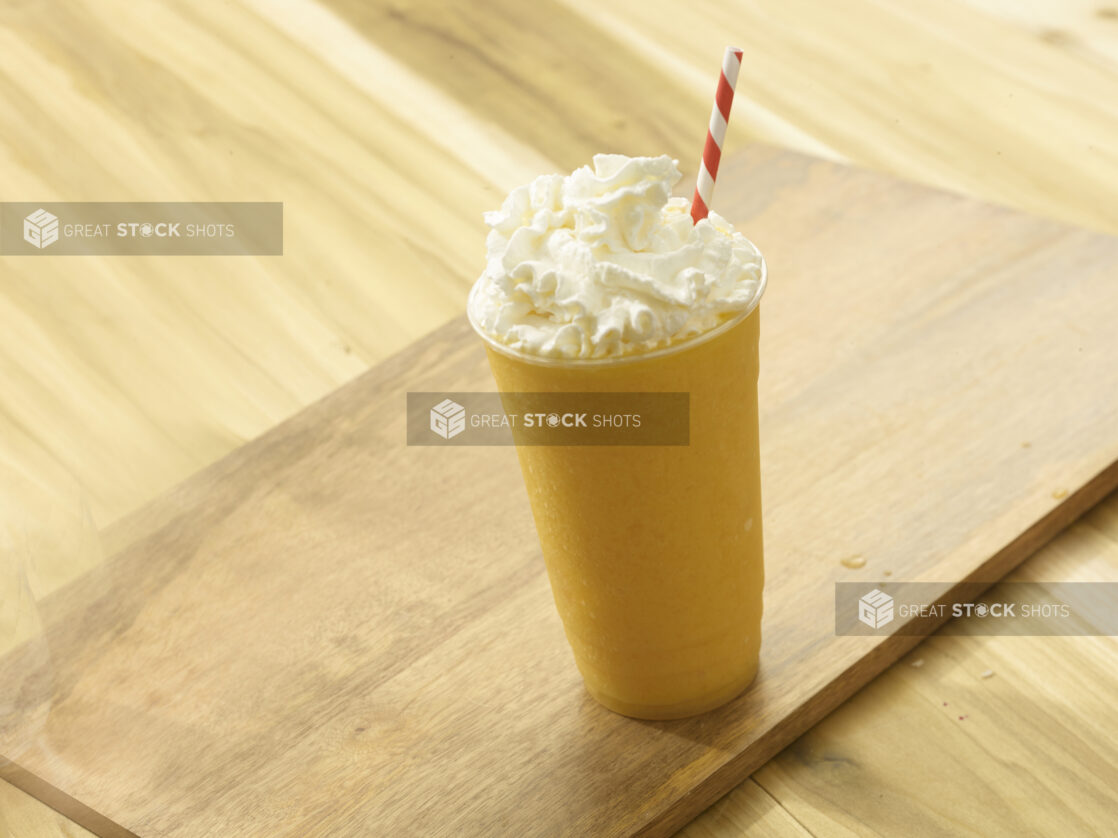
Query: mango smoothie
column 599, row 282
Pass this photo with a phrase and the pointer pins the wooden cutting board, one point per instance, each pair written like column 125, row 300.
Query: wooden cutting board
column 330, row 633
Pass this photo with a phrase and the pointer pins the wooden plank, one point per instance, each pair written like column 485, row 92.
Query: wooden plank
column 331, row 631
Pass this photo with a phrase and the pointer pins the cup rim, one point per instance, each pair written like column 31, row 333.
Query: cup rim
column 589, row 363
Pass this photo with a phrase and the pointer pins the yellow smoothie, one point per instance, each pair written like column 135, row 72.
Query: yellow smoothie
column 654, row 552
column 599, row 282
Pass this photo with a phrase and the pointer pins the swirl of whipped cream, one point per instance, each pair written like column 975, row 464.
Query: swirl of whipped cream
column 606, row 263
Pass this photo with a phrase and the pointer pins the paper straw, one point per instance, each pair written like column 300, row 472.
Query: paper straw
column 716, row 133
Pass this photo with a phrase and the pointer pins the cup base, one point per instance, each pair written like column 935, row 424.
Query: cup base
column 679, row 710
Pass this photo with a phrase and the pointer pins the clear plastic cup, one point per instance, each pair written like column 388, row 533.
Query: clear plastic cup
column 655, row 552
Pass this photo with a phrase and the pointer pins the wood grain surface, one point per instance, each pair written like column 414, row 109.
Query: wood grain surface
column 1007, row 101
column 19, row 818
column 1024, row 723
column 22, row 816
column 330, row 632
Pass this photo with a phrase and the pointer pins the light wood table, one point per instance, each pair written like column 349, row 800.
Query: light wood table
column 387, row 128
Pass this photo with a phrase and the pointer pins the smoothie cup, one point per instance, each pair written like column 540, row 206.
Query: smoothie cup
column 654, row 553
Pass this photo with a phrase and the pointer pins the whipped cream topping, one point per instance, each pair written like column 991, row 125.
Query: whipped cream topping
column 606, row 263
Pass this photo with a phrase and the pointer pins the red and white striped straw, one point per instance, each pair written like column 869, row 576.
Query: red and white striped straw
column 716, row 133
